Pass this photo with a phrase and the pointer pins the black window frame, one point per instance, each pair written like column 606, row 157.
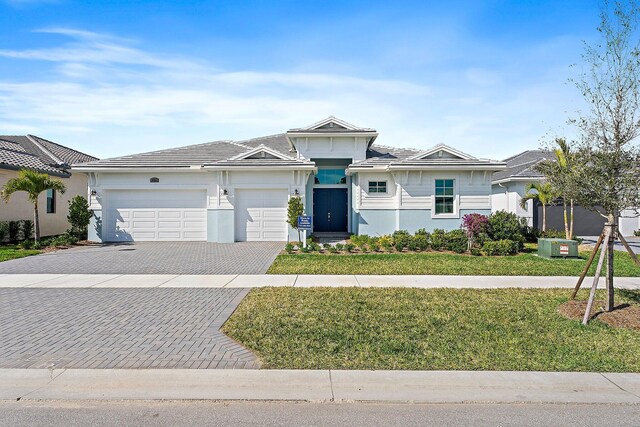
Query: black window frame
column 446, row 199
column 51, row 201
column 375, row 187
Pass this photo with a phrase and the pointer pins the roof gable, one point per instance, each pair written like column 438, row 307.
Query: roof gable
column 261, row 152
column 442, row 151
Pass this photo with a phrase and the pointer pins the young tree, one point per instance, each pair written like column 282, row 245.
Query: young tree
column 33, row 183
column 294, row 210
column 558, row 172
column 544, row 193
column 79, row 217
column 606, row 155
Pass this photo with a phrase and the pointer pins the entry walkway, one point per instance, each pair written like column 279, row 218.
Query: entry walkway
column 300, row 281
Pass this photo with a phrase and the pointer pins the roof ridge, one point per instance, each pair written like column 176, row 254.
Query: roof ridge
column 60, row 145
column 56, row 160
column 261, row 137
column 239, row 144
column 375, row 144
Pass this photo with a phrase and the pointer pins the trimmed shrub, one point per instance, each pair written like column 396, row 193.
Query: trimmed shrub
column 437, row 240
column 553, row 234
column 327, row 246
column 421, row 232
column 375, row 246
column 456, row 241
column 26, row 228
column 349, row 247
column 14, row 231
column 4, row 231
column 401, row 239
column 386, row 242
column 421, row 241
column 475, row 251
column 504, row 225
column 288, row 248
column 500, row 247
column 636, row 233
column 339, row 247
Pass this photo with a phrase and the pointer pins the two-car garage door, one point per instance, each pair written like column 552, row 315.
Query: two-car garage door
column 155, row 215
column 181, row 215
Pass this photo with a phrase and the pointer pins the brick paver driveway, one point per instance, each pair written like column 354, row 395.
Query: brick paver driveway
column 152, row 258
column 119, row 328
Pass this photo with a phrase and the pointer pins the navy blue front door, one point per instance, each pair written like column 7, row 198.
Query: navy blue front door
column 330, row 209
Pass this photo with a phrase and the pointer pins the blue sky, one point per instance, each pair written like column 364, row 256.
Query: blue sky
column 119, row 77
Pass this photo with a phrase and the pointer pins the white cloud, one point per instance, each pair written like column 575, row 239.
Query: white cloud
column 106, row 95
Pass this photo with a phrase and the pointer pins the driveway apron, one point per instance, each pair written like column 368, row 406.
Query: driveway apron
column 119, row 328
column 152, row 258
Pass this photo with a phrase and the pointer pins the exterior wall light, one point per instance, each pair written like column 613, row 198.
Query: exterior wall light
column 225, row 192
column 94, row 193
column 296, row 192
column 154, row 180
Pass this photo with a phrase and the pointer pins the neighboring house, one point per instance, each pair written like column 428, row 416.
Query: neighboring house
column 35, row 153
column 509, row 187
column 229, row 191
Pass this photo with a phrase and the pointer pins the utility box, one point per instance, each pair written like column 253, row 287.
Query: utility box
column 557, row 248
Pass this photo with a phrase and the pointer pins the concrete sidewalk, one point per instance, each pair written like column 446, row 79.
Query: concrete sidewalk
column 320, row 386
column 301, row 281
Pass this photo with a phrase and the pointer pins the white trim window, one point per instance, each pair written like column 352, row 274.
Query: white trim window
column 445, row 197
column 377, row 187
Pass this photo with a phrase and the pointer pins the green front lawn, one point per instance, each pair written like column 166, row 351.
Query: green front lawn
column 428, row 329
column 8, row 252
column 439, row 263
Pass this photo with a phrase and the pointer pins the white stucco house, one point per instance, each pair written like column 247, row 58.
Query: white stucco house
column 509, row 186
column 228, row 191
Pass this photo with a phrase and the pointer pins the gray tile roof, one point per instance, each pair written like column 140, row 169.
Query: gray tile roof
column 35, row 153
column 522, row 165
column 181, row 157
column 277, row 142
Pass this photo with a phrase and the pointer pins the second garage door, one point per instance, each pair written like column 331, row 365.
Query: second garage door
column 261, row 215
column 155, row 215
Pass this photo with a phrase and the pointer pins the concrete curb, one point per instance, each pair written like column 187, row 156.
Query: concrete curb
column 266, row 280
column 320, row 386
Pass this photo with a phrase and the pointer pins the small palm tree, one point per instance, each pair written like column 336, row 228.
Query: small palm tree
column 563, row 159
column 33, row 183
column 544, row 193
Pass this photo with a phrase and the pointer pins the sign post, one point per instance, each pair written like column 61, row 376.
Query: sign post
column 304, row 223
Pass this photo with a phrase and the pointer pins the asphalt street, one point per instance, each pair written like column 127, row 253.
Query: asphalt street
column 197, row 413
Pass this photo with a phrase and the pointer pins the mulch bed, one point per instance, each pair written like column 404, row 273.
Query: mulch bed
column 622, row 316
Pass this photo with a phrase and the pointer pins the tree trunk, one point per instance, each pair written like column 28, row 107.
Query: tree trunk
column 544, row 217
column 610, row 243
column 566, row 220
column 571, row 219
column 36, row 221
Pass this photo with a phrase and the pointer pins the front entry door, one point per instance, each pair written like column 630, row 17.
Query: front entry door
column 330, row 210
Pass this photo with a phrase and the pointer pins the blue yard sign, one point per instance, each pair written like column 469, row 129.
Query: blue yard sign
column 304, row 222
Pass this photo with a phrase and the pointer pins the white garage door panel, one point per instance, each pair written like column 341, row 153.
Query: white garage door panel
column 260, row 215
column 148, row 215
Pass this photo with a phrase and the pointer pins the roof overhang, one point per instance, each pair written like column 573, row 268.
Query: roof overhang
column 308, row 167
column 306, row 134
column 137, row 169
column 518, row 179
column 398, row 168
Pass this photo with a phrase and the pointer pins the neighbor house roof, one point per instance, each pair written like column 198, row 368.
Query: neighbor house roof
column 521, row 167
column 35, row 153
